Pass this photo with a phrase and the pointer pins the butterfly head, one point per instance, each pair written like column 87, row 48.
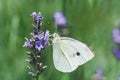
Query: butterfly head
column 56, row 37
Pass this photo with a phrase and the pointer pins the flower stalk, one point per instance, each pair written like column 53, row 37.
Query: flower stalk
column 37, row 42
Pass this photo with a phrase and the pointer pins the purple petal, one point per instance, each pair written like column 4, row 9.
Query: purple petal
column 116, row 53
column 58, row 15
column 46, row 38
column 38, row 45
column 47, row 35
column 34, row 15
column 116, row 35
column 39, row 16
column 99, row 71
column 41, row 36
column 27, row 43
column 60, row 19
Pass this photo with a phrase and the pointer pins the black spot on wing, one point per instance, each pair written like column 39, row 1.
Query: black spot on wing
column 77, row 53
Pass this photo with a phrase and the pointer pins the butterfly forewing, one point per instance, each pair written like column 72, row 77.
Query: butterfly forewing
column 61, row 60
column 85, row 53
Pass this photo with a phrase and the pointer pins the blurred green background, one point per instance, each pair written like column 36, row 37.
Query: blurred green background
column 90, row 21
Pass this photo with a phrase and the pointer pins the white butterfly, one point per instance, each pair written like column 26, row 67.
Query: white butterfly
column 69, row 53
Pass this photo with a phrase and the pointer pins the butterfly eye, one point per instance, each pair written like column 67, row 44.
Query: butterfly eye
column 78, row 54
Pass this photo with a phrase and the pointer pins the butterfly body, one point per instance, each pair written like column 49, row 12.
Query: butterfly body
column 69, row 53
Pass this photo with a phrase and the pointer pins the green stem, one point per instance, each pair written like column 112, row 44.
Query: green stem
column 37, row 78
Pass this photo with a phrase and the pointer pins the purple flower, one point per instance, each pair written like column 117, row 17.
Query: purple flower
column 39, row 16
column 60, row 19
column 34, row 15
column 99, row 72
column 98, row 75
column 116, row 35
column 41, row 35
column 116, row 53
column 46, row 38
column 27, row 43
column 38, row 45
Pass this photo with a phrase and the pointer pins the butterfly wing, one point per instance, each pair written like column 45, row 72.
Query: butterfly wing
column 69, row 53
column 62, row 61
column 85, row 54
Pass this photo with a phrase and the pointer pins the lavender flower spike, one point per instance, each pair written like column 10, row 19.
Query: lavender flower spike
column 60, row 19
column 38, row 40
